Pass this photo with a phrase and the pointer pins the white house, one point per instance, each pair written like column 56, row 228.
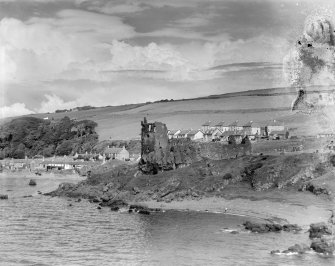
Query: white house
column 222, row 126
column 195, row 135
column 206, row 126
column 173, row 134
column 212, row 134
column 252, row 129
column 275, row 126
column 183, row 134
column 117, row 153
column 234, row 126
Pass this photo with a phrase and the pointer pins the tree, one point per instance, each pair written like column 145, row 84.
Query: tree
column 231, row 140
column 65, row 148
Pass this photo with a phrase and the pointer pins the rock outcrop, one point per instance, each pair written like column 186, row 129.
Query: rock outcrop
column 318, row 230
column 323, row 245
column 270, row 227
column 297, row 248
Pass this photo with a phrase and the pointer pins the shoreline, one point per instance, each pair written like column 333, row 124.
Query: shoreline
column 265, row 210
column 32, row 175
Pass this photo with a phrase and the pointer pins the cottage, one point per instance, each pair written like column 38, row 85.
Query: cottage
column 173, row 134
column 252, row 130
column 222, row 126
column 206, row 126
column 234, row 126
column 212, row 134
column 195, row 135
column 183, row 133
column 275, row 126
column 117, row 153
column 238, row 135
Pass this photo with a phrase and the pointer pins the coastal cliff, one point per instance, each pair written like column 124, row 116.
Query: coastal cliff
column 205, row 178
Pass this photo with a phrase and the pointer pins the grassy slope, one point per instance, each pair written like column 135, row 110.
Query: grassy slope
column 123, row 122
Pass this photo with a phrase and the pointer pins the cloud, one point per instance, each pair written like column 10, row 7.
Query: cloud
column 54, row 102
column 41, row 49
column 15, row 109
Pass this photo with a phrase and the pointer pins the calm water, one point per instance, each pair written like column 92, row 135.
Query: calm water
column 47, row 231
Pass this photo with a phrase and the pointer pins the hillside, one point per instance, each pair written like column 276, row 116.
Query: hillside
column 123, row 122
column 30, row 136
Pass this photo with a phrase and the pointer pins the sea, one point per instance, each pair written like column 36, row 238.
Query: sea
column 42, row 230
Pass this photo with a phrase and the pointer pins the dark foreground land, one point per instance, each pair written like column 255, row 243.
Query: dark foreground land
column 256, row 185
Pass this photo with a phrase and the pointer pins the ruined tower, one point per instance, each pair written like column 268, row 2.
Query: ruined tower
column 154, row 146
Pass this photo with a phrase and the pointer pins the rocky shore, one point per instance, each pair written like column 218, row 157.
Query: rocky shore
column 274, row 190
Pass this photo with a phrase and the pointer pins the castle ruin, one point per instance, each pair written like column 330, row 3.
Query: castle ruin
column 158, row 153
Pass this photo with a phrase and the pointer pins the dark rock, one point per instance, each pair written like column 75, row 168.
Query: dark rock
column 234, row 232
column 78, row 200
column 155, row 210
column 3, row 197
column 317, row 230
column 32, row 182
column 302, row 248
column 130, row 210
column 137, row 207
column 286, row 251
column 323, row 245
column 291, row 227
column 274, row 227
column 256, row 227
column 277, row 251
column 70, row 205
column 114, row 203
column 262, row 227
column 115, row 209
column 39, row 192
column 95, row 200
column 28, row 196
column 99, row 208
column 144, row 212
column 105, row 198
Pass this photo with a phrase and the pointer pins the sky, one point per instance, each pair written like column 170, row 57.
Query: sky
column 59, row 54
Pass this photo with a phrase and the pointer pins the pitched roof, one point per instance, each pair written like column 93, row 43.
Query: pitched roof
column 193, row 132
column 184, row 132
column 173, row 131
column 113, row 150
column 248, row 124
column 209, row 131
column 208, row 123
column 220, row 124
column 233, row 124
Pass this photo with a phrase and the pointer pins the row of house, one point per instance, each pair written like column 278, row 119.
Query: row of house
column 57, row 163
column 221, row 131
column 77, row 161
